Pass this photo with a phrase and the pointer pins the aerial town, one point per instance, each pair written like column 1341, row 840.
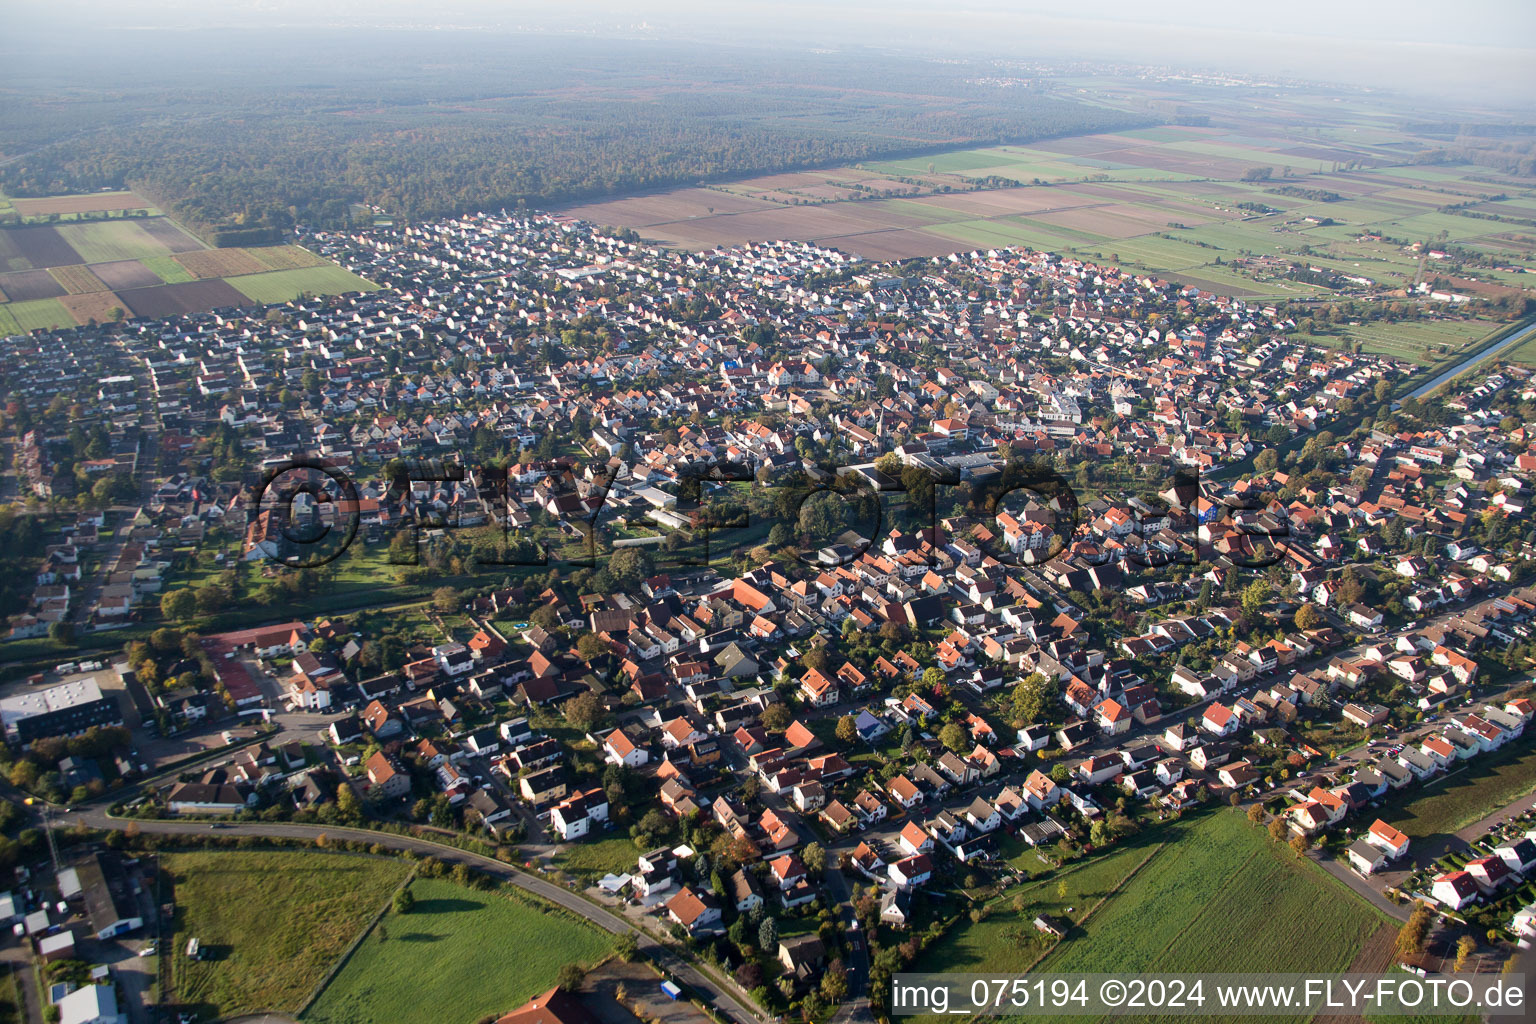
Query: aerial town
column 776, row 611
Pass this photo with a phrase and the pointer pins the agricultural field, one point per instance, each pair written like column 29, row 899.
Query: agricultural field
column 273, row 922
column 283, row 285
column 447, row 960
column 1162, row 903
column 1163, row 201
column 41, row 314
column 1426, row 342
column 144, row 264
column 66, row 207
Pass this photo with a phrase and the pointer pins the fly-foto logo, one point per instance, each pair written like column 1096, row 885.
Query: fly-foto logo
column 308, row 512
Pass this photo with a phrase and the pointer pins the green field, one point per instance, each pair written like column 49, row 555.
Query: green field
column 1470, row 794
column 17, row 317
column 595, row 858
column 1417, row 341
column 167, row 269
column 103, row 241
column 1209, row 894
column 283, row 285
column 460, row 955
column 272, row 922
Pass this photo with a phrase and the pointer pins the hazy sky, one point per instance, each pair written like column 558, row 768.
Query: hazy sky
column 1466, row 48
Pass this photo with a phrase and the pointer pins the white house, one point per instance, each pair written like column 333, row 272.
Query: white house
column 1454, row 889
column 910, row 872
column 576, row 815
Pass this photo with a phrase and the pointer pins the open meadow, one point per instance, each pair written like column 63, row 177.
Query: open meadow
column 128, row 261
column 272, row 922
column 1468, row 794
column 460, row 955
column 1210, row 893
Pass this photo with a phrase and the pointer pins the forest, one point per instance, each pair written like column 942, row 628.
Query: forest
column 238, row 144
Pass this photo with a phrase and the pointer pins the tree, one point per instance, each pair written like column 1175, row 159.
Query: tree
column 953, row 736
column 584, row 711
column 570, row 977
column 1465, row 947
column 847, row 731
column 178, row 604
column 1255, row 597
column 834, row 983
column 1309, row 617
column 445, row 600
column 933, row 678
column 1033, row 699
column 1256, row 813
column 628, row 567
column 62, row 633
column 347, row 802
column 815, row 858
column 1267, row 461
column 749, row 975
column 1277, row 829
column 1411, row 936
column 211, row 598
column 404, row 901
column 776, row 718
column 768, row 935
column 590, row 646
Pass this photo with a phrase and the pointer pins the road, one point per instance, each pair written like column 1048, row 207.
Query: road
column 713, row 992
column 855, row 1007
column 17, row 957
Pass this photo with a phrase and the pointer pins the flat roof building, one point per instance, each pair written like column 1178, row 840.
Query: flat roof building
column 65, row 710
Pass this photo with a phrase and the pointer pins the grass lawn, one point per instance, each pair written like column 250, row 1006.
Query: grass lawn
column 459, row 955
column 1470, row 794
column 592, row 859
column 1204, row 894
column 283, row 285
column 272, row 922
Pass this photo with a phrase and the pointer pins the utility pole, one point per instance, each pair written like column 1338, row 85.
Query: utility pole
column 53, row 849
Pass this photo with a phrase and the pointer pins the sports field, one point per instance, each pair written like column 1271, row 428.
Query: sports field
column 460, row 955
column 76, row 271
